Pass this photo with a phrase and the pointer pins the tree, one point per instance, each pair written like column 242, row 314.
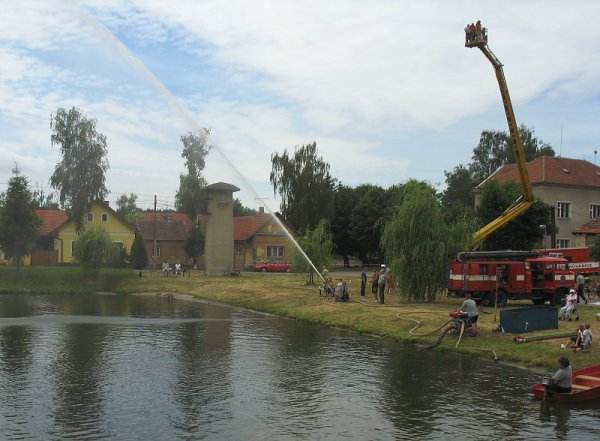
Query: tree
column 495, row 149
column 317, row 244
column 418, row 243
column 139, row 255
column 194, row 243
column 344, row 202
column 523, row 232
column 127, row 207
column 240, row 210
column 44, row 201
column 18, row 222
column 93, row 249
column 190, row 198
column 79, row 176
column 366, row 222
column 595, row 248
column 305, row 185
column 458, row 199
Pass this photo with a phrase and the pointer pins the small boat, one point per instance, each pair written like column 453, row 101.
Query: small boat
column 586, row 386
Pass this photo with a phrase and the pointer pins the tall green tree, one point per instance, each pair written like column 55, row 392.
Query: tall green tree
column 418, row 243
column 458, row 199
column 45, row 201
column 240, row 209
column 318, row 245
column 139, row 254
column 194, row 243
column 344, row 202
column 190, row 197
column 366, row 221
column 94, row 248
column 80, row 175
column 495, row 148
column 523, row 232
column 127, row 207
column 305, row 186
column 18, row 222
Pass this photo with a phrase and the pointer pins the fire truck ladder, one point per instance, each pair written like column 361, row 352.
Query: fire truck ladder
column 526, row 199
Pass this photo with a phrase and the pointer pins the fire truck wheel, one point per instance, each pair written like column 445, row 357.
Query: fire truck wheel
column 502, row 298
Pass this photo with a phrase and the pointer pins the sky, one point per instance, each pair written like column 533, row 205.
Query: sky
column 386, row 89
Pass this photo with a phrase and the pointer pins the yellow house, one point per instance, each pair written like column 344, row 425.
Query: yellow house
column 100, row 215
column 260, row 237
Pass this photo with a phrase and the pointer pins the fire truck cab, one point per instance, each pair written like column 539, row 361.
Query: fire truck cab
column 494, row 277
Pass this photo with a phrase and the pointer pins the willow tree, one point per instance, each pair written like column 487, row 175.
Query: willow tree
column 79, row 175
column 305, row 186
column 418, row 243
column 317, row 244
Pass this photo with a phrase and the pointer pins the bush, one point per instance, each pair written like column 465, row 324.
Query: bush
column 139, row 255
column 92, row 249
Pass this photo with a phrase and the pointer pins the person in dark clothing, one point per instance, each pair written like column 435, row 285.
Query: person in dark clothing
column 375, row 285
column 382, row 279
column 363, row 282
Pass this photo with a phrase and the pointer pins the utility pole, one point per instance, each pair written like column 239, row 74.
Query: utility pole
column 154, row 241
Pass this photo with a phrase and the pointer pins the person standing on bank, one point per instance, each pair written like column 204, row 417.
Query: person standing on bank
column 470, row 307
column 363, row 282
column 381, row 283
column 374, row 285
column 580, row 285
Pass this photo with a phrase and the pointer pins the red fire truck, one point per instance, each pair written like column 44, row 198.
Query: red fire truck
column 579, row 259
column 496, row 276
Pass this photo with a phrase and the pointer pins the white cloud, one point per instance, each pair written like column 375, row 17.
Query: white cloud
column 370, row 82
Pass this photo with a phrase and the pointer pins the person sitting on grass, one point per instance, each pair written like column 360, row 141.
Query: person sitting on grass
column 562, row 381
column 574, row 341
column 586, row 339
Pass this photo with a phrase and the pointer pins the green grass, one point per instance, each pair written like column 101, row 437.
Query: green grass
column 286, row 295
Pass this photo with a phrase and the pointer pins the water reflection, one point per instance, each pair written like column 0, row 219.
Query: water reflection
column 78, row 370
column 143, row 368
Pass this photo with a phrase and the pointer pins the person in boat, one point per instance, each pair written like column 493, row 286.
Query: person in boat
column 562, row 381
column 574, row 341
column 470, row 307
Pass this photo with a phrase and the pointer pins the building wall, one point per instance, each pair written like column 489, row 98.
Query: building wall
column 219, row 231
column 255, row 249
column 580, row 199
column 117, row 229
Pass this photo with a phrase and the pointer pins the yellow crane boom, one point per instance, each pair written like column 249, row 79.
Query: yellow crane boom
column 478, row 38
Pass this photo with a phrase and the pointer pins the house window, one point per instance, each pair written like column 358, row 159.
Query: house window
column 563, row 210
column 104, row 217
column 73, row 248
column 90, row 217
column 157, row 252
column 274, row 251
column 594, row 211
column 563, row 243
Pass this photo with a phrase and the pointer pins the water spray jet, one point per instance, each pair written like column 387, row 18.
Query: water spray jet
column 182, row 111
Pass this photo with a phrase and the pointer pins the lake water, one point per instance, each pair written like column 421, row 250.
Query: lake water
column 142, row 368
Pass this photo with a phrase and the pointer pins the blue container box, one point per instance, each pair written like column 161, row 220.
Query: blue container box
column 529, row 319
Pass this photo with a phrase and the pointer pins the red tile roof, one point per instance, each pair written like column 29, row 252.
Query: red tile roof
column 549, row 170
column 246, row 226
column 51, row 219
column 591, row 227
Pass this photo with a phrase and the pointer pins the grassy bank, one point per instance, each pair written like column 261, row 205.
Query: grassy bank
column 285, row 295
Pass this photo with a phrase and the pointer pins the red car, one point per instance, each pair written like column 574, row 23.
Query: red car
column 273, row 266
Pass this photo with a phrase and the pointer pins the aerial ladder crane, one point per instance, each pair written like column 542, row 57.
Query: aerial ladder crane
column 479, row 38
